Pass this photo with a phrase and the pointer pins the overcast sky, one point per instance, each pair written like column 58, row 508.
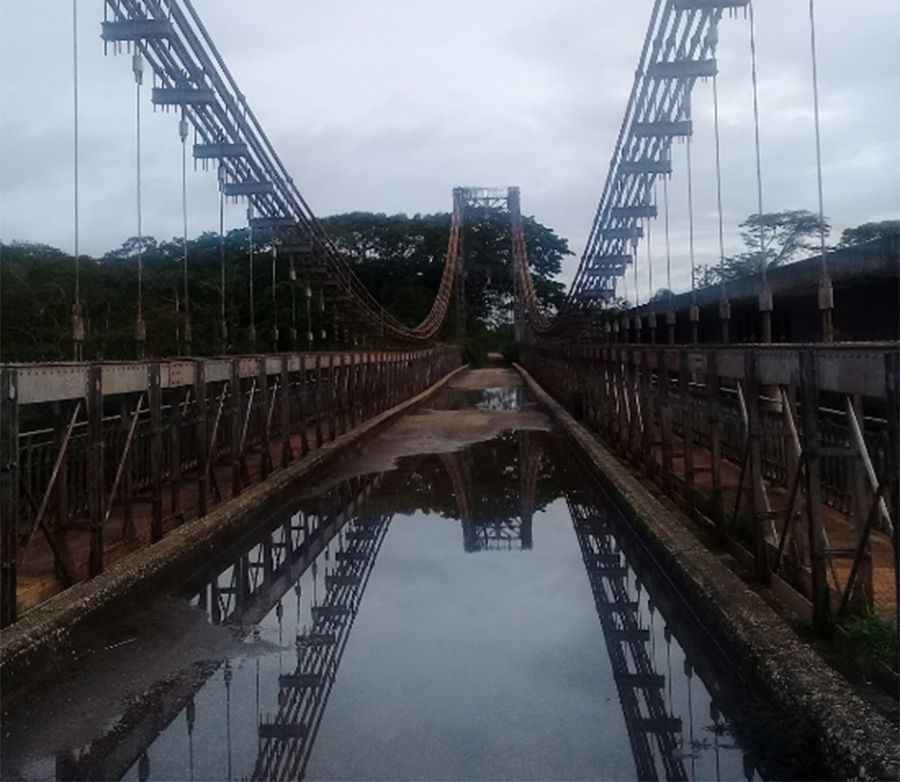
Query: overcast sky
column 387, row 106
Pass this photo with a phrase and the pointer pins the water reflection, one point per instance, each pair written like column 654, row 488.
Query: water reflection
column 293, row 594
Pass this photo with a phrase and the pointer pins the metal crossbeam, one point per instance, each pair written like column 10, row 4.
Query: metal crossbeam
column 634, row 212
column 182, row 96
column 684, row 69
column 219, row 151
column 247, row 188
column 137, row 30
column 672, row 129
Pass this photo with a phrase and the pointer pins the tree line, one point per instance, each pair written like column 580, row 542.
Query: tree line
column 399, row 258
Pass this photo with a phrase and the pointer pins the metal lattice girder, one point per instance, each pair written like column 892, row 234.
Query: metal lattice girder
column 635, row 232
column 700, row 5
column 610, row 261
column 247, row 188
column 217, row 151
column 136, row 30
column 646, row 166
column 624, row 212
column 282, row 732
column 182, row 96
column 268, row 223
column 682, row 127
column 684, row 69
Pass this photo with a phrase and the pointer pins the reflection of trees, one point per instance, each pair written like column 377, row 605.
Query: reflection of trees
column 492, row 474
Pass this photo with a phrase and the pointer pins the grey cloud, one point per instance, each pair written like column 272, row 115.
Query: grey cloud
column 387, row 107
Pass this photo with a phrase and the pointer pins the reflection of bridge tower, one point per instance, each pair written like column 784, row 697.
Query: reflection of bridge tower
column 640, row 687
column 493, row 533
column 286, row 741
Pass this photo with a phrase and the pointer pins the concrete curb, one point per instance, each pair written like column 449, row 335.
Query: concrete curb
column 37, row 642
column 854, row 740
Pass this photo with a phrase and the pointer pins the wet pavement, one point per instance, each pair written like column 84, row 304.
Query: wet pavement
column 457, row 600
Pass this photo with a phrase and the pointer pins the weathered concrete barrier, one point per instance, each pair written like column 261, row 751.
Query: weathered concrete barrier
column 39, row 642
column 855, row 741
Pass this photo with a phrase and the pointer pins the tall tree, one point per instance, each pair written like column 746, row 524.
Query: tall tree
column 869, row 232
column 771, row 239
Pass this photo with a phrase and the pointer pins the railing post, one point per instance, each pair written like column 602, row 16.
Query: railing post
column 862, row 499
column 317, row 400
column 647, row 414
column 96, row 483
column 287, row 451
column 665, row 420
column 892, row 388
column 201, row 435
column 821, row 595
column 9, row 492
column 713, row 412
column 236, row 404
column 687, row 434
column 156, row 452
column 129, row 533
column 333, row 372
column 175, row 426
column 754, row 433
column 262, row 374
column 302, row 406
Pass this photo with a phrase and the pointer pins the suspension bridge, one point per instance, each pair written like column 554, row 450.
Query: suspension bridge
column 768, row 408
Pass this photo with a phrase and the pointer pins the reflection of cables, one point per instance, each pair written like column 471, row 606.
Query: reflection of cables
column 689, row 672
column 190, row 715
column 228, row 677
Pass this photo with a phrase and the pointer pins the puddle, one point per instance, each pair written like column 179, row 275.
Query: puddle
column 461, row 602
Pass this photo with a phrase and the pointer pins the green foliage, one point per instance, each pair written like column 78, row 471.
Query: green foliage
column 400, row 259
column 869, row 232
column 771, row 239
column 877, row 637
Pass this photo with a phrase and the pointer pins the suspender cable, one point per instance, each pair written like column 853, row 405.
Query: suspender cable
column 183, row 134
column 690, row 184
column 668, row 238
column 140, row 334
column 825, row 302
column 77, row 324
column 637, row 289
column 715, row 82
column 765, row 298
column 252, row 308
column 274, row 296
column 724, row 305
column 649, row 262
column 223, row 321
